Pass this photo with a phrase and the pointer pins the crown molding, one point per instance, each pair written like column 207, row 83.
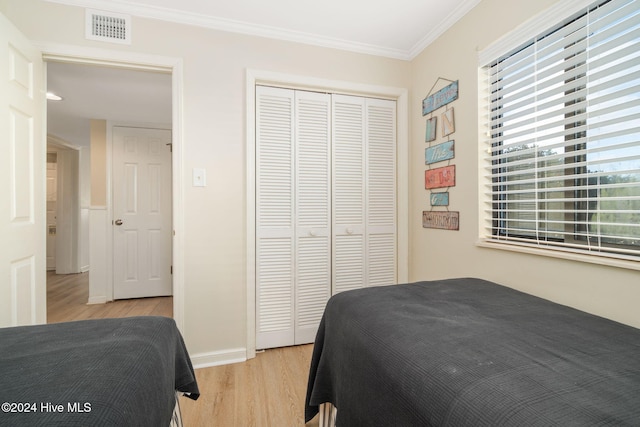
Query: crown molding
column 241, row 27
column 464, row 8
column 234, row 26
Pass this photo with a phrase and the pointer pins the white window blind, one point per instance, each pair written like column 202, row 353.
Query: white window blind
column 563, row 116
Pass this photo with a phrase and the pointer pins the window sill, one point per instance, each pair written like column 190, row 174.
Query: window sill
column 609, row 260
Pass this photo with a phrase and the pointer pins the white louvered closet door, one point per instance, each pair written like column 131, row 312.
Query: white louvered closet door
column 275, row 214
column 381, row 206
column 325, row 206
column 364, row 192
column 313, row 213
column 349, row 199
column 293, row 242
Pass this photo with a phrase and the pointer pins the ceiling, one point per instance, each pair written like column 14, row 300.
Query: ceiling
column 392, row 28
column 98, row 92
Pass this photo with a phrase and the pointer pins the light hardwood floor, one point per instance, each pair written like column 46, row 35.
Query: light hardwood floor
column 67, row 296
column 267, row 391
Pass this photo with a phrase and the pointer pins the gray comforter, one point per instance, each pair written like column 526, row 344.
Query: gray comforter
column 467, row 352
column 110, row 372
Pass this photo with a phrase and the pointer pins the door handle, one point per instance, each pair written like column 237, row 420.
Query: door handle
column 118, row 222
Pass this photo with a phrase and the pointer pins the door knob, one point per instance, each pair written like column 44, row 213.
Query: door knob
column 118, row 222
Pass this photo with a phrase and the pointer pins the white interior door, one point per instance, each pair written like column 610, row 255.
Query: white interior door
column 142, row 232
column 22, row 180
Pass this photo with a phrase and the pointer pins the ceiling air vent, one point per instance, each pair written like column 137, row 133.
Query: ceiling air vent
column 108, row 27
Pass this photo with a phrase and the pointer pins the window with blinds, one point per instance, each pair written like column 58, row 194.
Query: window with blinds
column 563, row 116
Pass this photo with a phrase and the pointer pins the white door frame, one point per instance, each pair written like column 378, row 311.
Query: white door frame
column 133, row 60
column 401, row 95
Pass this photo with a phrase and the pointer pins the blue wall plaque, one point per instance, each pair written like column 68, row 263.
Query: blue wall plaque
column 440, row 98
column 439, row 199
column 439, row 153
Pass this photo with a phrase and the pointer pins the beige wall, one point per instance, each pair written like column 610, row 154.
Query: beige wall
column 607, row 291
column 215, row 65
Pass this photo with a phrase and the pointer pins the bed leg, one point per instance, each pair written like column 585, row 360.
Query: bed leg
column 327, row 415
column 176, row 418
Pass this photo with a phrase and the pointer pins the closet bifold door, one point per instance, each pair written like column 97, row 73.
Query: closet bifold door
column 364, row 192
column 381, row 193
column 275, row 216
column 349, row 198
column 313, row 212
column 293, row 242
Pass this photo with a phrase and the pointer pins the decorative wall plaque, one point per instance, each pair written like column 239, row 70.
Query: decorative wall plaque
column 448, row 123
column 430, row 134
column 439, row 199
column 441, row 98
column 439, row 153
column 440, row 177
column 441, row 220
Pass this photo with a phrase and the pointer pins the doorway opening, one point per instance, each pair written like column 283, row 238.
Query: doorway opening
column 103, row 95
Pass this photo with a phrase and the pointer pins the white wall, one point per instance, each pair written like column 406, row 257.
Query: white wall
column 607, row 291
column 215, row 65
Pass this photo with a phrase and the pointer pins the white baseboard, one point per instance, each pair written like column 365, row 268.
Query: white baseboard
column 97, row 300
column 217, row 358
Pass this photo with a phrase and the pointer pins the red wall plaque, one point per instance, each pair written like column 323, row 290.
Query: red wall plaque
column 440, row 177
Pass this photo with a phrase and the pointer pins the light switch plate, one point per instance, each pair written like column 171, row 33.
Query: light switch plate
column 199, row 177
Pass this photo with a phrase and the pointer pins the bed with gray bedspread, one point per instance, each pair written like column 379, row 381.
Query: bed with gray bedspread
column 468, row 352
column 108, row 372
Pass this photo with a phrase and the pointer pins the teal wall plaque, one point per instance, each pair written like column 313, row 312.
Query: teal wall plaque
column 430, row 134
column 440, row 98
column 439, row 153
column 439, row 199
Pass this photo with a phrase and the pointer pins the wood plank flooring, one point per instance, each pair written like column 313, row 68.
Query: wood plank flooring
column 267, row 391
column 67, row 296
